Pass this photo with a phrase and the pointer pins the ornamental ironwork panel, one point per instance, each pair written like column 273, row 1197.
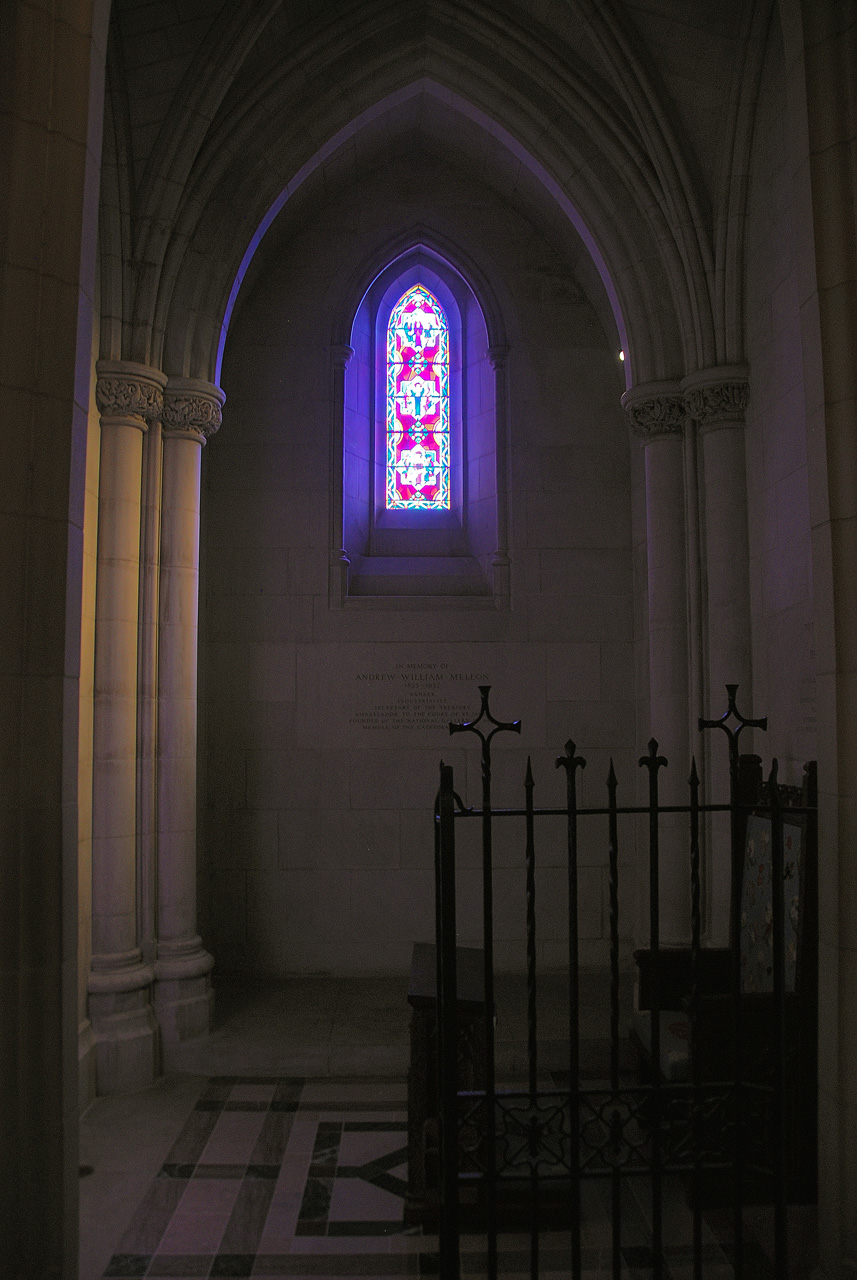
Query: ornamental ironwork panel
column 732, row 1120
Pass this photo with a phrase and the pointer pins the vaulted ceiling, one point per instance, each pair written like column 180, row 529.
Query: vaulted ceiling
column 626, row 127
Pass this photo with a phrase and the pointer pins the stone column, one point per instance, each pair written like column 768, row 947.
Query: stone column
column 340, row 355
column 716, row 399
column 129, row 396
column 501, row 564
column 183, row 995
column 147, row 692
column 656, row 412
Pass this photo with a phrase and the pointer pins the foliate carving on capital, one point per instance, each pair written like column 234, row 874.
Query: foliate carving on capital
column 192, row 409
column 717, row 404
column 655, row 416
column 128, row 395
column 193, row 415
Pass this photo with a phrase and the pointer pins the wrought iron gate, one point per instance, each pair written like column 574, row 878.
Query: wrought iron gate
column 527, row 1150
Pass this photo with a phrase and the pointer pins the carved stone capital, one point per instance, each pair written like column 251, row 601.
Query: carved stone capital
column 655, row 410
column 192, row 409
column 340, row 354
column 129, row 393
column 498, row 355
column 717, row 398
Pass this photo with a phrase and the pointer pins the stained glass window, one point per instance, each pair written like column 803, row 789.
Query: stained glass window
column 417, row 404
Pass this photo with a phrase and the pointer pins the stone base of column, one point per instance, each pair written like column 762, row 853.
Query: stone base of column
column 127, row 1042
column 184, row 1000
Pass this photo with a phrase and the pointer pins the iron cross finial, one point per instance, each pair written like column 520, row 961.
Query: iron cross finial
column 733, row 712
column 733, row 734
column 472, row 726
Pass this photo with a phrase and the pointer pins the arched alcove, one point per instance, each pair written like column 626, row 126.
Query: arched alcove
column 631, row 182
column 323, row 726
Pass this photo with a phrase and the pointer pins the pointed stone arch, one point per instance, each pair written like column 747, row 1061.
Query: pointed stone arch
column 641, row 224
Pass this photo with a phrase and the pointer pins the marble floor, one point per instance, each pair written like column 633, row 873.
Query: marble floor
column 317, row 1025
column 230, row 1167
column 281, row 1176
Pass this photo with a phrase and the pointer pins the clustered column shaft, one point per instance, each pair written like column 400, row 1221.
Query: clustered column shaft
column 715, row 400
column 123, row 1010
column 657, row 414
column 660, row 413
column 183, row 995
column 128, row 396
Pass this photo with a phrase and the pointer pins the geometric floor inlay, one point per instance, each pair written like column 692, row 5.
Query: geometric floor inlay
column 285, row 1176
column 277, row 1176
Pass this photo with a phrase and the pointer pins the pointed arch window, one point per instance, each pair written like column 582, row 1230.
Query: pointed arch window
column 420, row 494
column 417, row 433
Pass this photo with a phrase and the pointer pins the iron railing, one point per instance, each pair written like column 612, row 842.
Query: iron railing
column 526, row 1151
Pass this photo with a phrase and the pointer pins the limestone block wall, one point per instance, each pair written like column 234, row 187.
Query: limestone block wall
column 778, row 492
column 321, row 728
